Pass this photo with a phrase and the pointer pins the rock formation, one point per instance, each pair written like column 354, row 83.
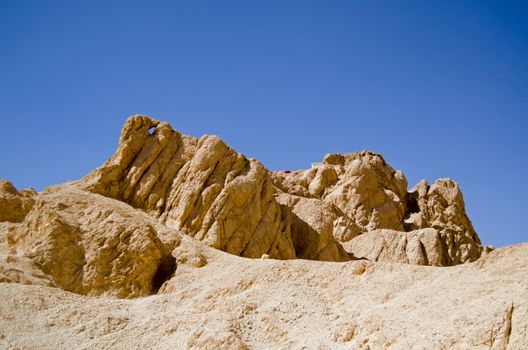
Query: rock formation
column 159, row 216
column 92, row 245
column 371, row 197
column 237, row 303
column 14, row 204
column 122, row 221
column 203, row 188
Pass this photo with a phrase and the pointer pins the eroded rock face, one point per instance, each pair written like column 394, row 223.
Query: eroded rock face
column 91, row 245
column 361, row 185
column 441, row 206
column 420, row 247
column 372, row 203
column 206, row 190
column 14, row 204
column 200, row 187
column 22, row 270
column 310, row 223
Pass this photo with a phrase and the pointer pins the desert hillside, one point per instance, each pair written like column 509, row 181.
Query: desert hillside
column 180, row 242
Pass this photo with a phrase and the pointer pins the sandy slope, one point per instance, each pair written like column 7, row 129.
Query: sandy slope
column 238, row 303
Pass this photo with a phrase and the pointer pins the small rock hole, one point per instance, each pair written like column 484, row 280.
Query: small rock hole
column 152, row 130
column 412, row 203
column 165, row 271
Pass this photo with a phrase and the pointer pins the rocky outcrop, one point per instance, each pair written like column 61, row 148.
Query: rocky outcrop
column 348, row 206
column 272, row 304
column 420, row 247
column 144, row 224
column 14, row 204
column 200, row 187
column 22, row 270
column 310, row 223
column 205, row 189
column 361, row 185
column 441, row 206
column 374, row 210
column 92, row 245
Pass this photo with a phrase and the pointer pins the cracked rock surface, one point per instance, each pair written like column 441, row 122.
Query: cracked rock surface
column 150, row 251
column 205, row 189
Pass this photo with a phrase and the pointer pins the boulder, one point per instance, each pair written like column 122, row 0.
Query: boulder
column 420, row 247
column 92, row 245
column 14, row 204
column 441, row 206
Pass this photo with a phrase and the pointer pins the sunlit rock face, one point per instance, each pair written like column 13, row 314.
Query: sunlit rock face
column 181, row 242
column 116, row 231
column 205, row 189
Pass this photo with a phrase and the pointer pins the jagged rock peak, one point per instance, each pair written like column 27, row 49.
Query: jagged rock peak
column 14, row 204
column 350, row 206
column 205, row 189
column 141, row 225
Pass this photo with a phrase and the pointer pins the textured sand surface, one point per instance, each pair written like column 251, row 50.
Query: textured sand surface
column 238, row 303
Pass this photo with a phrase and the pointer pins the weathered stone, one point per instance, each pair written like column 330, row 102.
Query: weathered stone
column 121, row 238
column 91, row 245
column 311, row 225
column 441, row 206
column 371, row 196
column 14, row 204
column 202, row 188
column 420, row 247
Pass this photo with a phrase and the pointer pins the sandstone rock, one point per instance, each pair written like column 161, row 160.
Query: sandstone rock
column 18, row 269
column 371, row 193
column 441, row 206
column 202, row 188
column 227, row 200
column 371, row 196
column 324, row 178
column 361, row 185
column 272, row 304
column 118, row 233
column 14, row 204
column 420, row 247
column 91, row 245
column 205, row 189
column 334, row 159
column 22, row 270
column 310, row 223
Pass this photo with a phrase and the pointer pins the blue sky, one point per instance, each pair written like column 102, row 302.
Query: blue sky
column 440, row 88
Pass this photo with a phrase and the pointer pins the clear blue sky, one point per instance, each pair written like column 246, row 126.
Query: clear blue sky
column 440, row 88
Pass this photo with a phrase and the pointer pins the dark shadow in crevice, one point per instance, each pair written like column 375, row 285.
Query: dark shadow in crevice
column 412, row 206
column 412, row 203
column 166, row 268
